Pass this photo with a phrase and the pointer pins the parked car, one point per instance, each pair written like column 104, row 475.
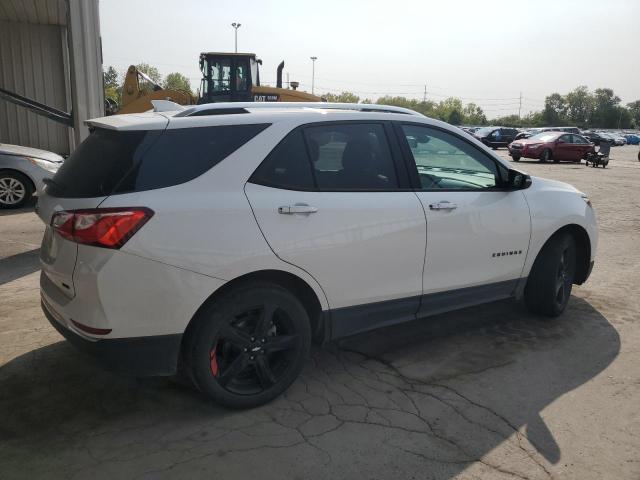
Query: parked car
column 22, row 171
column 526, row 134
column 496, row 137
column 610, row 138
column 619, row 139
column 562, row 129
column 554, row 146
column 225, row 237
column 632, row 139
column 595, row 137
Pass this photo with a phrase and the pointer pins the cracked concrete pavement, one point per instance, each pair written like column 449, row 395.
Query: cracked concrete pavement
column 490, row 392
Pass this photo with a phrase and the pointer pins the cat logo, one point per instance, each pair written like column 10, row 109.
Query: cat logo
column 266, row 98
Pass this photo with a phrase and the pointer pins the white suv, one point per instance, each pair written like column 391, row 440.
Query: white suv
column 221, row 239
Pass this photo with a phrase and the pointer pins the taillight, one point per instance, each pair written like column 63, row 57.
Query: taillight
column 100, row 227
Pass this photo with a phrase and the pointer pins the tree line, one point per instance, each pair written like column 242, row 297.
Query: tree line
column 580, row 107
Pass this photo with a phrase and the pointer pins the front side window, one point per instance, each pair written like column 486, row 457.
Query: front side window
column 565, row 138
column 446, row 162
column 351, row 157
column 579, row 140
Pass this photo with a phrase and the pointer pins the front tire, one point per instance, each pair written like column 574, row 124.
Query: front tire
column 516, row 158
column 549, row 285
column 15, row 190
column 545, row 156
column 249, row 345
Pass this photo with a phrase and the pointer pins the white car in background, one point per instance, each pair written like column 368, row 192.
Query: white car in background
column 22, row 172
column 223, row 238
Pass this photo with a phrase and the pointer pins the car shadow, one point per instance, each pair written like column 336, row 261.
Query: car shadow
column 28, row 207
column 19, row 265
column 434, row 395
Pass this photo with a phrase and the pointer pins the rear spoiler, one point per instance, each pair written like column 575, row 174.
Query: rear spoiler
column 165, row 106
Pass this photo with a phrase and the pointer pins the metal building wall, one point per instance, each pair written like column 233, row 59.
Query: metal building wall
column 50, row 51
column 33, row 63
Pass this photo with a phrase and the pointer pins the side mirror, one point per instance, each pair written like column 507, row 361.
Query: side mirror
column 517, row 180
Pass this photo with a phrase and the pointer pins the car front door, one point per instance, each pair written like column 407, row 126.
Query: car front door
column 477, row 231
column 334, row 199
column 564, row 148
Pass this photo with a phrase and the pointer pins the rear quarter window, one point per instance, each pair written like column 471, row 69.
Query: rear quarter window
column 111, row 162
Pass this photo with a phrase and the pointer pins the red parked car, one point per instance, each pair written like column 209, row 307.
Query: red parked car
column 554, row 146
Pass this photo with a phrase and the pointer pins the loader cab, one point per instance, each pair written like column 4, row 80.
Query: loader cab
column 228, row 77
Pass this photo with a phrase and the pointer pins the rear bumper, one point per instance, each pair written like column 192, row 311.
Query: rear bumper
column 141, row 356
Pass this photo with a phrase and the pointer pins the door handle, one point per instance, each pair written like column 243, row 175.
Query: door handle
column 297, row 208
column 443, row 205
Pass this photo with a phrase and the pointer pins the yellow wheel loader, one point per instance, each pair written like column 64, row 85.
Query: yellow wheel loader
column 226, row 77
column 235, row 77
column 136, row 99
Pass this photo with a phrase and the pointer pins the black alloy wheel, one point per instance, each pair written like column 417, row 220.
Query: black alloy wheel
column 551, row 278
column 249, row 345
column 252, row 351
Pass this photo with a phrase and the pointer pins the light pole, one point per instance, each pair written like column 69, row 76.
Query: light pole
column 236, row 26
column 313, row 73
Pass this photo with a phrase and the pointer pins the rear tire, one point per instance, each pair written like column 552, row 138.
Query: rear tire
column 516, row 158
column 249, row 345
column 549, row 285
column 15, row 189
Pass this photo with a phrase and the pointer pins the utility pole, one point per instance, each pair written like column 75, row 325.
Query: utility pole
column 620, row 120
column 424, row 96
column 520, row 106
column 236, row 26
column 288, row 84
column 313, row 73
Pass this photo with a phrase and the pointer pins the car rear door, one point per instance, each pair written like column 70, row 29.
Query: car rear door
column 477, row 233
column 334, row 200
column 508, row 135
column 581, row 146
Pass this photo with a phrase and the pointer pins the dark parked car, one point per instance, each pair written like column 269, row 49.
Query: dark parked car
column 527, row 134
column 596, row 138
column 496, row 137
column 554, row 146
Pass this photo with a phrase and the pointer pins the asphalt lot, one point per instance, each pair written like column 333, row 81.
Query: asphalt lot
column 490, row 392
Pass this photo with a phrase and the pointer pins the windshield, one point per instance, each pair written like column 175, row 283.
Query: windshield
column 545, row 137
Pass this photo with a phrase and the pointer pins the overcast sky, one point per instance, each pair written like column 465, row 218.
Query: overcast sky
column 483, row 51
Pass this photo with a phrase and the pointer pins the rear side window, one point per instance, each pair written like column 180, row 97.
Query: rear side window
column 287, row 166
column 111, row 161
column 351, row 157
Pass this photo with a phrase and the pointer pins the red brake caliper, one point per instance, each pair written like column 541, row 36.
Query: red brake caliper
column 214, row 361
